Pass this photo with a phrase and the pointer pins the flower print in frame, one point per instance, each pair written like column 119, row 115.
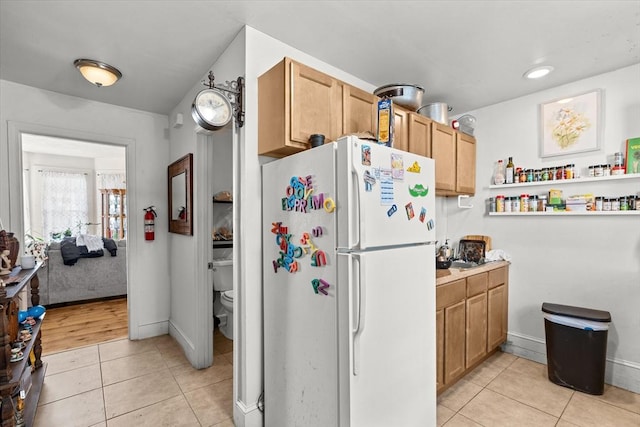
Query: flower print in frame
column 571, row 124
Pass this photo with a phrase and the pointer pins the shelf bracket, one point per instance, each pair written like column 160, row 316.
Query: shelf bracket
column 464, row 206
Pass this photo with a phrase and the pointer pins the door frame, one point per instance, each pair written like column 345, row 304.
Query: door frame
column 16, row 190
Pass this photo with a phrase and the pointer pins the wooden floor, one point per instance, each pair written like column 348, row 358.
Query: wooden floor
column 79, row 325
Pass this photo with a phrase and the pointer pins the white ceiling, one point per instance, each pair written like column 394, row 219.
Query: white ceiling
column 69, row 147
column 468, row 54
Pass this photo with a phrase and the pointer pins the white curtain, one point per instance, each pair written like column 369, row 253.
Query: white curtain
column 64, row 202
column 111, row 180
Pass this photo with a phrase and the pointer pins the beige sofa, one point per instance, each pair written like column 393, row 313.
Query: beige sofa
column 88, row 278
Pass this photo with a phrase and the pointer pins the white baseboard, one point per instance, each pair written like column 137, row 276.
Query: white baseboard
column 247, row 416
column 618, row 372
column 185, row 343
column 153, row 330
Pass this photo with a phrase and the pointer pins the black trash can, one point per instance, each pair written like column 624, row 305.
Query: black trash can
column 576, row 346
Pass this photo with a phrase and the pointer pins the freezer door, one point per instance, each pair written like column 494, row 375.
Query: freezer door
column 300, row 324
column 387, row 196
column 392, row 356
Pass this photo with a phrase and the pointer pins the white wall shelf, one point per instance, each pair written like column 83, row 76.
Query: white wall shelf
column 565, row 213
column 568, row 181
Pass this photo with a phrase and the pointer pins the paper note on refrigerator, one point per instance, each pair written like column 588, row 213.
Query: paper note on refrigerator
column 386, row 187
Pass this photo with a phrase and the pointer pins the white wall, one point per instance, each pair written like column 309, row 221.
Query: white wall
column 262, row 53
column 24, row 108
column 591, row 262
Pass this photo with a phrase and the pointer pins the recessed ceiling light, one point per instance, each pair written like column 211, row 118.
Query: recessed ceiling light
column 537, row 72
column 97, row 73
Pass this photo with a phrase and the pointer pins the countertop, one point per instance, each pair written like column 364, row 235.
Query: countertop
column 453, row 274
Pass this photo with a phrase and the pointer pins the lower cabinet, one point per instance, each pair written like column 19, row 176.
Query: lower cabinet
column 497, row 307
column 471, row 322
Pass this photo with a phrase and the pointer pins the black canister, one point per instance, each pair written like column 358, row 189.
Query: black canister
column 316, row 140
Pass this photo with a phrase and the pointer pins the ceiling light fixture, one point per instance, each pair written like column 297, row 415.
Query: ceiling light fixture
column 97, row 73
column 537, row 72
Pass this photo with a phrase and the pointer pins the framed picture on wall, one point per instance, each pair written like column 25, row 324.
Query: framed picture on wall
column 571, row 124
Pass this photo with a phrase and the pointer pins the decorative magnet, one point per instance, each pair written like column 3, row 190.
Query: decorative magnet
column 392, row 210
column 369, row 180
column 318, row 259
column 319, row 285
column 430, row 224
column 366, row 155
column 409, row 208
column 397, row 166
column 415, row 167
column 418, row 190
column 423, row 214
column 329, row 205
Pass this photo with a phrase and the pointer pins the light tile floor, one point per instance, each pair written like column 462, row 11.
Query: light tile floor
column 125, row 383
column 150, row 383
column 508, row 391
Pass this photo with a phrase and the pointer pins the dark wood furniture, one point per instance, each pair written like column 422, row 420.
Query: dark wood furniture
column 12, row 373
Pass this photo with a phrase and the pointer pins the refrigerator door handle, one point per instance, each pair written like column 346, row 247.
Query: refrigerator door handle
column 355, row 216
column 357, row 298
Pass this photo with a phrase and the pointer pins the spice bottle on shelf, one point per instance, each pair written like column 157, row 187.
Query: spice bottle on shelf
column 500, row 203
column 542, row 203
column 524, row 203
column 492, row 204
column 568, row 171
column 533, row 203
column 498, row 174
column 523, row 175
column 509, row 172
column 606, row 170
column 599, row 203
column 618, row 164
column 508, row 205
column 515, row 204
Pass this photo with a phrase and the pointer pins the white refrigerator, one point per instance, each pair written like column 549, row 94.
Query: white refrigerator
column 349, row 287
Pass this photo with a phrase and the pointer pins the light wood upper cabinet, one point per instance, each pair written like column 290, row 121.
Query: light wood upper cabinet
column 360, row 111
column 400, row 128
column 466, row 163
column 294, row 102
column 455, row 156
column 420, row 134
column 443, row 151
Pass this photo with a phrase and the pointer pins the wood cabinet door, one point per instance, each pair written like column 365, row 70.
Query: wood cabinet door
column 466, row 163
column 439, row 349
column 419, row 135
column 476, row 330
column 454, row 341
column 313, row 98
column 496, row 316
column 400, row 129
column 359, row 111
column 443, row 151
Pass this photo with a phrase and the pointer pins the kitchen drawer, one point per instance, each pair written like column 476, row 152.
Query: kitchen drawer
column 497, row 277
column 450, row 293
column 476, row 284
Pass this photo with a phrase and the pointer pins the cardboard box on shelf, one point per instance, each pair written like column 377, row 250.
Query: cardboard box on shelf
column 633, row 155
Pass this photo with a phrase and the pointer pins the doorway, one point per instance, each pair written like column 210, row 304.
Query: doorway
column 74, row 193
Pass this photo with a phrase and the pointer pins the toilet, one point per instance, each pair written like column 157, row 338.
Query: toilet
column 223, row 302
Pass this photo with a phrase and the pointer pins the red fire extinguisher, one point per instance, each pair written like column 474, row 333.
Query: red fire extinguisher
column 149, row 224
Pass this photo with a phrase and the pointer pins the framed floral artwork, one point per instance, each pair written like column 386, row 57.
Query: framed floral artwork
column 571, row 124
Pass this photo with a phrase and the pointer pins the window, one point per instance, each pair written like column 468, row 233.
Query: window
column 64, row 202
